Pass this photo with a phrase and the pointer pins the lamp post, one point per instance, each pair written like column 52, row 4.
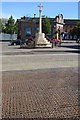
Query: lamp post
column 34, row 29
column 34, row 24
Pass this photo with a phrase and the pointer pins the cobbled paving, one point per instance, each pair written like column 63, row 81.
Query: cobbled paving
column 37, row 94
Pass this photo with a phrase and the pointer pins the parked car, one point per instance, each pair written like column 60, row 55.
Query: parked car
column 15, row 42
column 22, row 42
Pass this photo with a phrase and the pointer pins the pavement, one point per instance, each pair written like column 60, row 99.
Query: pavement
column 40, row 83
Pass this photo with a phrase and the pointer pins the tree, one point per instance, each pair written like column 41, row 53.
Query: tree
column 11, row 26
column 46, row 26
column 76, row 30
column 16, row 28
column 1, row 26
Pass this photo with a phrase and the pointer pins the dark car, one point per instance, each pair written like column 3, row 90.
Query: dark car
column 15, row 42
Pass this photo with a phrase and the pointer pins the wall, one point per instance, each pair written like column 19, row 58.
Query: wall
column 7, row 37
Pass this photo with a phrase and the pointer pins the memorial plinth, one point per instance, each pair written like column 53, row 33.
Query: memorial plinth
column 41, row 41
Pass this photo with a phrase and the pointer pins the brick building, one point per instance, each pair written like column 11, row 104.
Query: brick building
column 30, row 26
column 69, row 25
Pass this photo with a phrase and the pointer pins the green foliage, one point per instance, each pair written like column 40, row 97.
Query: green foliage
column 1, row 26
column 76, row 30
column 11, row 27
column 16, row 28
column 46, row 26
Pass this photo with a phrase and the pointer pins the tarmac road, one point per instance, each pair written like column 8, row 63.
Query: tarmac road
column 14, row 58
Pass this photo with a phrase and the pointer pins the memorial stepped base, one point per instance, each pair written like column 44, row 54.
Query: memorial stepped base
column 41, row 41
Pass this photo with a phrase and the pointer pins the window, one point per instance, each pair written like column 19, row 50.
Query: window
column 28, row 31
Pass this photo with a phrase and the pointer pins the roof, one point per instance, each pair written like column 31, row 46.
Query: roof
column 71, row 21
column 66, row 21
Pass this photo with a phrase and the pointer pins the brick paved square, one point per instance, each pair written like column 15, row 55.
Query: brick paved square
column 44, row 93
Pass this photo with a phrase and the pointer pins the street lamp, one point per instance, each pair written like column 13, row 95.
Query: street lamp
column 34, row 15
column 34, row 24
column 34, row 20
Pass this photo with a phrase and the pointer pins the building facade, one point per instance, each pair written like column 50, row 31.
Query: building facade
column 30, row 26
column 69, row 25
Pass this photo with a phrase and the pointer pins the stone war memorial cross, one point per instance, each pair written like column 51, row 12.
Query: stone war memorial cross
column 40, row 40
